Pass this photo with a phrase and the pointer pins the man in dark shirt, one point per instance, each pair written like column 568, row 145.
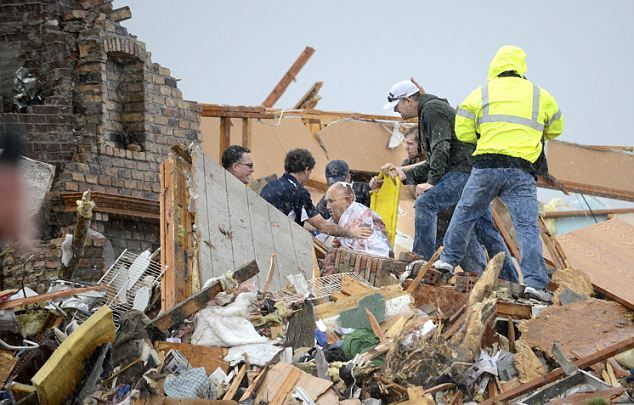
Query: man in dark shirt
column 338, row 171
column 288, row 195
column 440, row 180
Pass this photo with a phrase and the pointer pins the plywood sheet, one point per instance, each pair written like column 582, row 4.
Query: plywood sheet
column 609, row 172
column 235, row 226
column 362, row 144
column 605, row 252
column 581, row 328
column 198, row 356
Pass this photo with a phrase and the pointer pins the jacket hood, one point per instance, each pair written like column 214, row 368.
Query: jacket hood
column 424, row 98
column 508, row 58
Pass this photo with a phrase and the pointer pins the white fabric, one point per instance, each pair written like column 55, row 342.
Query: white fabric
column 227, row 326
column 377, row 244
column 259, row 354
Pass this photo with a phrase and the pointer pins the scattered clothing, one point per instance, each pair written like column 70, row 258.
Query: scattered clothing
column 192, row 383
column 359, row 341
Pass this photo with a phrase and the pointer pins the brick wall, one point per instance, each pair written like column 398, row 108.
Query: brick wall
column 40, row 266
column 107, row 115
column 375, row 270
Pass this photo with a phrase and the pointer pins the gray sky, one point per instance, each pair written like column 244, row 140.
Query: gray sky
column 234, row 52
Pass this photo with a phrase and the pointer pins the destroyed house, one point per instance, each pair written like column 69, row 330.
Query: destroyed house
column 241, row 303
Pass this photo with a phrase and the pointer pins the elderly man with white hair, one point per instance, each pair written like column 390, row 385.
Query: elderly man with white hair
column 347, row 213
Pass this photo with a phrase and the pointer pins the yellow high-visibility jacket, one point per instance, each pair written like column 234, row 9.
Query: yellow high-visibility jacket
column 509, row 115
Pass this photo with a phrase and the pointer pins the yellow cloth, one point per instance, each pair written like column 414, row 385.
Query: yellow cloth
column 385, row 203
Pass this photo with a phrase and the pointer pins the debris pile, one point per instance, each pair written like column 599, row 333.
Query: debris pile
column 349, row 333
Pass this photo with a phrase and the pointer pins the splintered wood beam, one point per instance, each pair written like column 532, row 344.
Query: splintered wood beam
column 587, row 213
column 115, row 204
column 288, row 77
column 556, row 252
column 220, row 110
column 225, row 134
column 85, row 208
column 506, row 235
column 198, row 301
column 176, row 230
column 318, row 184
column 311, row 98
column 559, row 373
column 48, row 296
column 424, row 270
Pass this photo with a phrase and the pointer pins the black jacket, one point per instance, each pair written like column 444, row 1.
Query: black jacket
column 437, row 138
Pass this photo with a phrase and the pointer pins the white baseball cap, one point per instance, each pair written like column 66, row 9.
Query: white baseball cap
column 398, row 92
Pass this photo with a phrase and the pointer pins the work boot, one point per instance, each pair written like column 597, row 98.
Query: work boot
column 538, row 294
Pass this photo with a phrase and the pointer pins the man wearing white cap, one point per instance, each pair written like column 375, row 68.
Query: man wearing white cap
column 441, row 179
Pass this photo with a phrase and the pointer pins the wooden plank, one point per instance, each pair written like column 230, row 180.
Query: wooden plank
column 198, row 356
column 511, row 333
column 116, row 204
column 240, row 220
column 218, row 219
column 511, row 244
column 558, row 372
column 287, row 387
column 182, row 152
column 351, row 286
column 261, row 234
column 513, row 309
column 605, row 252
column 225, row 134
column 556, row 254
column 587, row 213
column 310, row 98
column 586, row 170
column 303, row 243
column 255, row 384
column 247, row 132
column 7, row 362
column 198, row 301
column 288, row 77
column 235, row 384
column 48, row 296
column 376, row 328
column 216, row 110
column 176, row 228
column 271, row 273
column 423, row 271
column 205, row 248
column 166, row 211
column 181, row 236
column 283, row 242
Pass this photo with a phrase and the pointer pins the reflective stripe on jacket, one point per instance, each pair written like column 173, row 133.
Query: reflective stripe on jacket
column 509, row 115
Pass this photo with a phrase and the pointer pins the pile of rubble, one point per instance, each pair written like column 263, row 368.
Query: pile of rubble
column 351, row 337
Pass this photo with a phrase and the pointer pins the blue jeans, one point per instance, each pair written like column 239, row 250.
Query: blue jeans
column 446, row 194
column 516, row 188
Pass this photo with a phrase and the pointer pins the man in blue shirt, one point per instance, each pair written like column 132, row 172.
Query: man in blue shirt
column 288, row 195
